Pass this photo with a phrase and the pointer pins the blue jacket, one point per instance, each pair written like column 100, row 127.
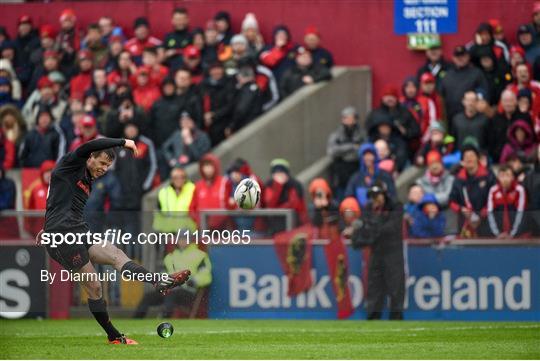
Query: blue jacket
column 423, row 226
column 361, row 181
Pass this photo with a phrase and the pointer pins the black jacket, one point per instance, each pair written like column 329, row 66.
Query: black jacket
column 399, row 115
column 476, row 127
column 38, row 147
column 191, row 102
column 384, row 229
column 219, row 98
column 456, row 83
column 247, row 105
column 292, row 78
column 114, row 127
column 164, row 119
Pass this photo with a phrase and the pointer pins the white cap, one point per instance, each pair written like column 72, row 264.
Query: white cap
column 250, row 22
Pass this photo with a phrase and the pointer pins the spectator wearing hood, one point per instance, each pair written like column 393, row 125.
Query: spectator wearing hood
column 247, row 101
column 429, row 221
column 13, row 130
column 6, row 93
column 124, row 111
column 284, row 191
column 497, row 75
column 532, row 186
column 436, row 180
column 176, row 40
column 469, row 194
column 81, row 82
column 37, row 198
column 459, row 79
column 470, row 123
column 502, row 120
column 506, row 205
column 164, row 113
column 44, row 142
column 382, row 127
column 87, row 130
column 250, row 29
column 312, row 42
column 521, row 140
column 222, row 20
column 141, row 40
column 217, row 92
column 367, row 175
column 435, row 64
column 187, row 144
column 212, row 191
column 342, row 147
column 483, row 37
column 525, row 39
column 324, row 210
column 431, row 104
column 402, row 120
column 304, row 72
column 409, row 99
column 145, row 92
column 280, row 55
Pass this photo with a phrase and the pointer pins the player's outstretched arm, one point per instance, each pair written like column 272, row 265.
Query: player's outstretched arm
column 95, row 145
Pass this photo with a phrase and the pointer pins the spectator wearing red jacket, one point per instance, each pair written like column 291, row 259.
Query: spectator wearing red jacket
column 283, row 191
column 87, row 129
column 279, row 56
column 506, row 204
column 469, row 194
column 68, row 40
column 145, row 93
column 192, row 61
column 141, row 40
column 431, row 103
column 157, row 71
column 81, row 82
column 38, row 193
column 212, row 191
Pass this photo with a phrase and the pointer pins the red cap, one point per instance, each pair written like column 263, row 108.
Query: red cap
column 192, row 51
column 24, row 19
column 536, row 7
column 47, row 31
column 312, row 30
column 50, row 54
column 350, row 204
column 45, row 82
column 88, row 121
column 517, row 49
column 432, row 157
column 84, row 54
column 115, row 38
column 390, row 90
column 427, row 77
column 496, row 25
column 68, row 13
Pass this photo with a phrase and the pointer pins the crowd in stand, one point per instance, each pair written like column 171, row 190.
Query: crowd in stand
column 461, row 121
column 177, row 97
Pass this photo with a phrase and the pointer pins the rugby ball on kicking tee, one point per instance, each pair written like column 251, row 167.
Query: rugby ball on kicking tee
column 247, row 193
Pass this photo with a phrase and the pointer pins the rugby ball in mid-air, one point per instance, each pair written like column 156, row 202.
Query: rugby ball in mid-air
column 247, row 193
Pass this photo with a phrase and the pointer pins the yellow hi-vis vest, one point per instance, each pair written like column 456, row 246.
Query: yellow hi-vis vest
column 174, row 213
column 193, row 259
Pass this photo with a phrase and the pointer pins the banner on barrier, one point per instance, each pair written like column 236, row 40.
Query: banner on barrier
column 455, row 283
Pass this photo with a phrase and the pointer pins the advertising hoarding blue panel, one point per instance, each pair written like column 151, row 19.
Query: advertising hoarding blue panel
column 461, row 283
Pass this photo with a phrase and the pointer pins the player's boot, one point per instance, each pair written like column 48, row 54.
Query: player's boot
column 173, row 280
column 123, row 340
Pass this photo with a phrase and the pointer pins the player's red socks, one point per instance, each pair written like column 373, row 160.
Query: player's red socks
column 99, row 310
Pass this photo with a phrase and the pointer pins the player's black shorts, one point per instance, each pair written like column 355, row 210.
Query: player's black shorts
column 71, row 256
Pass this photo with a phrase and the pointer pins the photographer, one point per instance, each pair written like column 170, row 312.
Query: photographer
column 381, row 227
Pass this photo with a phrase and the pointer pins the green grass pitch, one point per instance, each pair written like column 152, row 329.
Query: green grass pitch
column 263, row 339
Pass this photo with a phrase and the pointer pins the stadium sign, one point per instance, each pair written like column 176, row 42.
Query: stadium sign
column 425, row 16
column 453, row 283
column 22, row 294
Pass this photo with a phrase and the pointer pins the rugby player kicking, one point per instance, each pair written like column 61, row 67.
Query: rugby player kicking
column 69, row 188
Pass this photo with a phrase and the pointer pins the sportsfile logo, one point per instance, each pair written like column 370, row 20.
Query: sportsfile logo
column 461, row 293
